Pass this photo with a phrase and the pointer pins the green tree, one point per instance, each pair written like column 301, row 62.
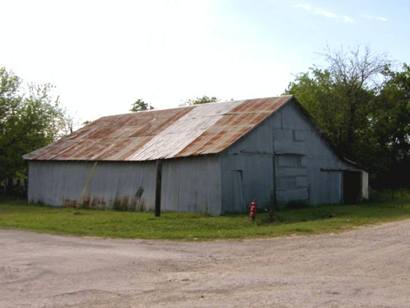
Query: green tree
column 140, row 105
column 341, row 97
column 390, row 121
column 29, row 120
column 201, row 100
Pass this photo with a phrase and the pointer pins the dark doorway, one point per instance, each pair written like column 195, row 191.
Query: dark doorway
column 352, row 186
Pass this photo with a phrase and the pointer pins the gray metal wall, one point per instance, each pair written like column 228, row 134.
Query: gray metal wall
column 98, row 184
column 297, row 139
column 191, row 184
column 306, row 169
column 252, row 158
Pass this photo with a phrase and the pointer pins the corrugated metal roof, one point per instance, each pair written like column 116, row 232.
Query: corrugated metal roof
column 161, row 134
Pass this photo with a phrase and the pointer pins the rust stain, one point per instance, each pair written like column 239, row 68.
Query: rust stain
column 234, row 125
column 107, row 137
column 177, row 132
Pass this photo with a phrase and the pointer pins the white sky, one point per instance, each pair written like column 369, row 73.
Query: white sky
column 103, row 55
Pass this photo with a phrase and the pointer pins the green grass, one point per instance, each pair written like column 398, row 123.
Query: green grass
column 185, row 226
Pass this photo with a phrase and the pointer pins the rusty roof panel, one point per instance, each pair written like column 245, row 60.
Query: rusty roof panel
column 233, row 125
column 162, row 134
column 173, row 139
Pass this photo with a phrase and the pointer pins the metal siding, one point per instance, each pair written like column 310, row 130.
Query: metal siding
column 49, row 183
column 97, row 184
column 322, row 187
column 252, row 155
column 189, row 184
column 192, row 185
column 332, row 189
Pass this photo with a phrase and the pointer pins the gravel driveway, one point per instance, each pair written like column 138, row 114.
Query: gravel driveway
column 367, row 267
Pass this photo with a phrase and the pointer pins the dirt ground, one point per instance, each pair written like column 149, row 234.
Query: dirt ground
column 367, row 267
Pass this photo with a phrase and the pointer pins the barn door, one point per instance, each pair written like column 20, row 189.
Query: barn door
column 292, row 182
column 237, row 191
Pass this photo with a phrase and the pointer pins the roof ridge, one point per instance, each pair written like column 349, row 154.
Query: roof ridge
column 192, row 106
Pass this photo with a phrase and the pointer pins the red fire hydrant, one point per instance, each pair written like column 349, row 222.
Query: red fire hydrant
column 252, row 210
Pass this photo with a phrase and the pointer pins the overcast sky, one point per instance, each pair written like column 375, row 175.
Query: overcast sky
column 103, row 55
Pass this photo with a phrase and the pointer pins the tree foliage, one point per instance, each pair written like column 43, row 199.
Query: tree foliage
column 29, row 118
column 391, row 127
column 201, row 100
column 361, row 103
column 140, row 105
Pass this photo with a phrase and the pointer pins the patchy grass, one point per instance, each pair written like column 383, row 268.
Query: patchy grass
column 186, row 226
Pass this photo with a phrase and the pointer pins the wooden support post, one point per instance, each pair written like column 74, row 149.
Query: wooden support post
column 158, row 189
column 274, row 202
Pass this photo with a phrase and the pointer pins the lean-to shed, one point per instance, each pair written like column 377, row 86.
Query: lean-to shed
column 214, row 158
